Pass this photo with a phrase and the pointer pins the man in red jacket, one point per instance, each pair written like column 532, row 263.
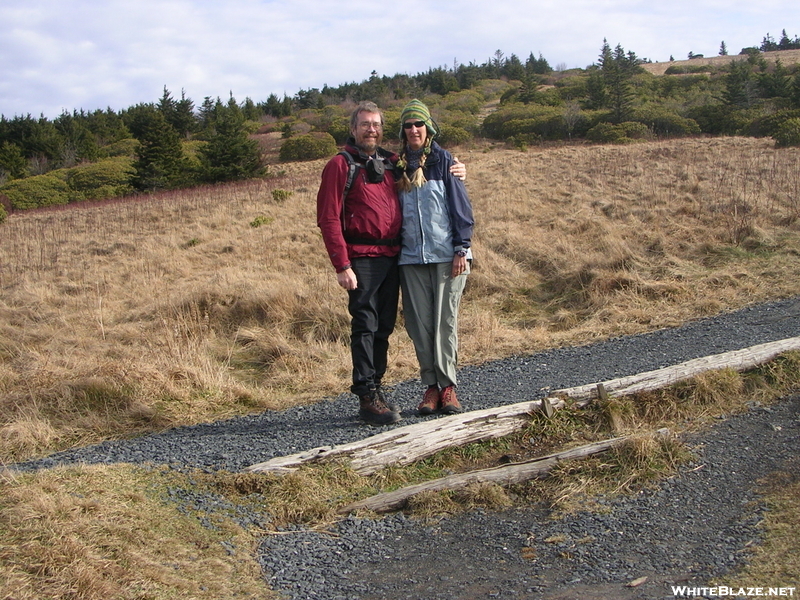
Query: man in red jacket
column 360, row 221
column 361, row 231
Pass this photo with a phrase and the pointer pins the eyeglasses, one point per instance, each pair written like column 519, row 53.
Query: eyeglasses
column 368, row 124
column 417, row 124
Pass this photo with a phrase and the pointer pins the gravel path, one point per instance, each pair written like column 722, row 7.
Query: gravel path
column 694, row 527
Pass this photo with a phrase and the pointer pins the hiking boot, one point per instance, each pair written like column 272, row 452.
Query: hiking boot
column 385, row 399
column 448, row 402
column 374, row 411
column 430, row 401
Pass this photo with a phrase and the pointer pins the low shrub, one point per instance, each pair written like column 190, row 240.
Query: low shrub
column 104, row 179
column 3, row 213
column 768, row 126
column 37, row 191
column 719, row 119
column 308, row 147
column 788, row 134
column 452, row 136
column 665, row 123
column 687, row 69
column 339, row 129
column 623, row 133
column 125, row 147
column 281, row 196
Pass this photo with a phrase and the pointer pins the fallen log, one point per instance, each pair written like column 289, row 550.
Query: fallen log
column 503, row 475
column 405, row 445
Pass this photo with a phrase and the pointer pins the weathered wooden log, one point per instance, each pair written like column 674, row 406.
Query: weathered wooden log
column 503, row 475
column 409, row 444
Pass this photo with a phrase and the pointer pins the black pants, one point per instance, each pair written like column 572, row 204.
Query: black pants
column 373, row 308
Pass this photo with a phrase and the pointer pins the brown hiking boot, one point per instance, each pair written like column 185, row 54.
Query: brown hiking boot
column 374, row 411
column 385, row 399
column 449, row 404
column 430, row 401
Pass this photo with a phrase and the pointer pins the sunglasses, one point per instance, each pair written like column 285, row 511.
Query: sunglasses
column 417, row 124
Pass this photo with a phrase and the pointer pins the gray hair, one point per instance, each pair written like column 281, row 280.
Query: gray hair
column 364, row 106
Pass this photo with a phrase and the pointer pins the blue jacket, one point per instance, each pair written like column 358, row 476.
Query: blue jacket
column 437, row 217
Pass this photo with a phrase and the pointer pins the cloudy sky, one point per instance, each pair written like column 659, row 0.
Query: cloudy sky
column 73, row 54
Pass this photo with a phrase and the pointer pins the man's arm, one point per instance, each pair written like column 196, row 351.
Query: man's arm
column 330, row 206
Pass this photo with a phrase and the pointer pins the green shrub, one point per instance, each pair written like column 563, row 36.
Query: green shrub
column 608, row 133
column 521, row 141
column 125, row 147
column 768, row 125
column 491, row 89
column 281, row 196
column 635, row 130
column 37, row 191
column 468, row 101
column 720, row 119
column 788, row 134
column 549, row 122
column 665, row 123
column 339, row 129
column 3, row 213
column 452, row 136
column 261, row 220
column 687, row 69
column 308, row 147
column 104, row 179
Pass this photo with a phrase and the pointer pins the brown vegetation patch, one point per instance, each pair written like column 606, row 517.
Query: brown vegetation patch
column 193, row 305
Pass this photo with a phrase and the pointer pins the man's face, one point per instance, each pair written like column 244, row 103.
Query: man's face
column 368, row 132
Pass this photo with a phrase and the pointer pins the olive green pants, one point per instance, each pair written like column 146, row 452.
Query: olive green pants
column 431, row 297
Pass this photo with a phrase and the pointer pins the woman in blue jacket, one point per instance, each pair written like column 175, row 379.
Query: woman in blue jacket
column 435, row 256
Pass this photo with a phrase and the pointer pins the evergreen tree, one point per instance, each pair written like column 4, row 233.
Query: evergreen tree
column 617, row 70
column 739, row 85
column 77, row 142
column 12, row 163
column 596, row 92
column 513, row 68
column 183, row 117
column 723, row 49
column 776, row 83
column 230, row 154
column 207, row 117
column 160, row 163
column 537, row 66
column 794, row 93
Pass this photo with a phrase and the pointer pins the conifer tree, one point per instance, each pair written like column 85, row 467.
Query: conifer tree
column 160, row 163
column 12, row 164
column 230, row 154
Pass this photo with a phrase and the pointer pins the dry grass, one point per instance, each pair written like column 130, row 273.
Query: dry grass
column 787, row 57
column 106, row 532
column 137, row 315
column 776, row 562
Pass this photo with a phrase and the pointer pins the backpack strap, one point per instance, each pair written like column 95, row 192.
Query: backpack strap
column 352, row 168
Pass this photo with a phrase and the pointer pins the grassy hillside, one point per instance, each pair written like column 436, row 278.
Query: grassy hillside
column 787, row 57
column 130, row 316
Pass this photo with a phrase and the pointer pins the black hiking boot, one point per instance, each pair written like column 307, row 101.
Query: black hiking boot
column 374, row 411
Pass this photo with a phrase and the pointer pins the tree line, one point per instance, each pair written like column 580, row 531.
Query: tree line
column 174, row 143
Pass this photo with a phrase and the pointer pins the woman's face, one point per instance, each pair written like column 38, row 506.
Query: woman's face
column 416, row 133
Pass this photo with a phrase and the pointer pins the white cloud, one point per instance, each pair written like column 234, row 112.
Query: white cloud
column 91, row 54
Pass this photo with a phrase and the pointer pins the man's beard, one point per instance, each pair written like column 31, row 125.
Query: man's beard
column 368, row 146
